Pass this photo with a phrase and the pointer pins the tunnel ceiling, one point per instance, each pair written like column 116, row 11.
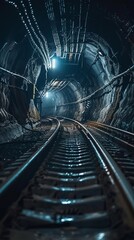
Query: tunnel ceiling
column 91, row 40
column 64, row 28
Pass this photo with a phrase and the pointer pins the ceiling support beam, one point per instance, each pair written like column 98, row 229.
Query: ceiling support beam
column 51, row 17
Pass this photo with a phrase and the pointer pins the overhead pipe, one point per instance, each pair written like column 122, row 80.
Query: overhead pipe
column 85, row 28
column 79, row 28
column 51, row 16
column 63, row 26
column 72, row 35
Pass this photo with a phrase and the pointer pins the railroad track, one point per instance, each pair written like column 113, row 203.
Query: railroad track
column 17, row 157
column 119, row 144
column 24, row 145
column 124, row 137
column 76, row 190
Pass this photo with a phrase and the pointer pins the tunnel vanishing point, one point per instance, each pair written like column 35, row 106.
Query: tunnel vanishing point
column 71, row 58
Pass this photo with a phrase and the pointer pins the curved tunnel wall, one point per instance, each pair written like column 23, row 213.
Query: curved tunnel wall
column 104, row 55
column 114, row 104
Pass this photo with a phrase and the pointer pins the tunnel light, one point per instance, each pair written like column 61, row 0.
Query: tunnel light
column 100, row 53
column 47, row 95
column 53, row 63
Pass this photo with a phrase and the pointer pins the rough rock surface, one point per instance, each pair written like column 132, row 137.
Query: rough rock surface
column 10, row 131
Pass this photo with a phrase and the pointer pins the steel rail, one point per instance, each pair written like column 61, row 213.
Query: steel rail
column 61, row 194
column 20, row 177
column 106, row 159
column 113, row 128
column 114, row 133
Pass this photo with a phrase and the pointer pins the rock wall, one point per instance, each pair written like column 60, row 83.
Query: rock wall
column 15, row 91
column 114, row 105
column 124, row 115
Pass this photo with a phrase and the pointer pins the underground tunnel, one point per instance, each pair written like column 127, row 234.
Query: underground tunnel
column 65, row 58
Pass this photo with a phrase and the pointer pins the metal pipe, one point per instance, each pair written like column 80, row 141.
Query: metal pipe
column 79, row 28
column 84, row 35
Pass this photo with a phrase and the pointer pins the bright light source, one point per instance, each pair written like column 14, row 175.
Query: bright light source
column 53, row 63
column 100, row 53
column 46, row 95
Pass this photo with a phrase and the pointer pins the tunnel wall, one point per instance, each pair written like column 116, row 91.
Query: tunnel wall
column 16, row 92
column 114, row 105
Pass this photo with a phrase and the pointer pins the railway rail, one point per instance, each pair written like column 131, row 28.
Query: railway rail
column 17, row 157
column 13, row 150
column 69, row 189
column 119, row 144
column 124, row 137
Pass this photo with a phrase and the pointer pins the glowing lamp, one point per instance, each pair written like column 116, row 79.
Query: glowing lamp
column 53, row 63
column 47, row 95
